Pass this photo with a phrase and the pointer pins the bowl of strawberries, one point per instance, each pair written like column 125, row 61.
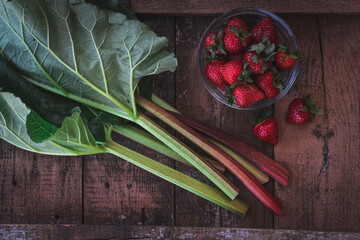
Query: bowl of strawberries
column 248, row 58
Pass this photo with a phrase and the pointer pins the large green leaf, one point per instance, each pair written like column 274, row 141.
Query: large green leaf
column 13, row 114
column 73, row 138
column 93, row 56
column 51, row 108
column 38, row 129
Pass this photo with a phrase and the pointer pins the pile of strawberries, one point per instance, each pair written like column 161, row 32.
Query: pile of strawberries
column 248, row 65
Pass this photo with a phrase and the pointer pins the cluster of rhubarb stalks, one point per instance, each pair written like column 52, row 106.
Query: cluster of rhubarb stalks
column 250, row 166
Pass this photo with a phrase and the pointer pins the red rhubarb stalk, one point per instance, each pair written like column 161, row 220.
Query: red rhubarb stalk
column 268, row 165
column 232, row 165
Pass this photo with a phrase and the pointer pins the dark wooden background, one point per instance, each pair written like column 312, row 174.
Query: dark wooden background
column 323, row 157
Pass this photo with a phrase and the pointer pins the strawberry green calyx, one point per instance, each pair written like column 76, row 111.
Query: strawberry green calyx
column 264, row 49
column 310, row 104
column 278, row 80
column 215, row 50
column 240, row 33
column 288, row 53
column 262, row 52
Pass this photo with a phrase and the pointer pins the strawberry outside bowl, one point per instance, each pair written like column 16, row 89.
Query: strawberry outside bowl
column 251, row 16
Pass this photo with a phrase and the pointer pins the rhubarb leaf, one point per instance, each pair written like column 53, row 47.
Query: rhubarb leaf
column 73, row 138
column 76, row 136
column 38, row 129
column 93, row 56
column 13, row 114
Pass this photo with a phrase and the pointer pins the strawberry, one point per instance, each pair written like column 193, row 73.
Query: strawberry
column 210, row 39
column 256, row 64
column 231, row 71
column 285, row 58
column 270, row 83
column 265, row 28
column 214, row 46
column 259, row 56
column 234, row 22
column 212, row 71
column 246, row 94
column 302, row 110
column 266, row 128
column 236, row 40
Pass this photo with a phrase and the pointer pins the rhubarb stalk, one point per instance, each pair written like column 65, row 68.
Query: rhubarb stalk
column 271, row 167
column 207, row 169
column 232, row 165
column 261, row 176
column 141, row 136
column 181, row 180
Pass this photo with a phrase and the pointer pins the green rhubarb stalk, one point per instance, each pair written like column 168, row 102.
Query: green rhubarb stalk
column 256, row 172
column 207, row 169
column 141, row 136
column 179, row 179
column 231, row 164
column 164, row 105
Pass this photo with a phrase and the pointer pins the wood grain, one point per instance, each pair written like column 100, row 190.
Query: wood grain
column 324, row 192
column 193, row 100
column 38, row 188
column 116, row 191
column 79, row 232
column 180, row 7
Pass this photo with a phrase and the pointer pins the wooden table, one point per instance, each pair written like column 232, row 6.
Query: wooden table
column 105, row 197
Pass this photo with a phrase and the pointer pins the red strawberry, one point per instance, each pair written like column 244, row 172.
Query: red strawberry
column 236, row 40
column 212, row 71
column 285, row 58
column 246, row 94
column 231, row 71
column 214, row 46
column 265, row 28
column 270, row 84
column 210, row 39
column 256, row 64
column 266, row 128
column 235, row 22
column 302, row 110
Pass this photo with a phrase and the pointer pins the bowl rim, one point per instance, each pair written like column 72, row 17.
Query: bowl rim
column 261, row 104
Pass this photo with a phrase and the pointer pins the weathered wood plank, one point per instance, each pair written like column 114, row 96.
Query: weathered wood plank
column 116, row 191
column 193, row 100
column 324, row 192
column 44, row 232
column 38, row 188
column 179, row 7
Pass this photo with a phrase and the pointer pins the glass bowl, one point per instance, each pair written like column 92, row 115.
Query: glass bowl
column 251, row 16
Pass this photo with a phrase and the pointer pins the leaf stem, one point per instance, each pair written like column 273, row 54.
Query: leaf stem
column 141, row 136
column 82, row 100
column 232, row 165
column 256, row 172
column 161, row 103
column 179, row 179
column 208, row 170
column 268, row 165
